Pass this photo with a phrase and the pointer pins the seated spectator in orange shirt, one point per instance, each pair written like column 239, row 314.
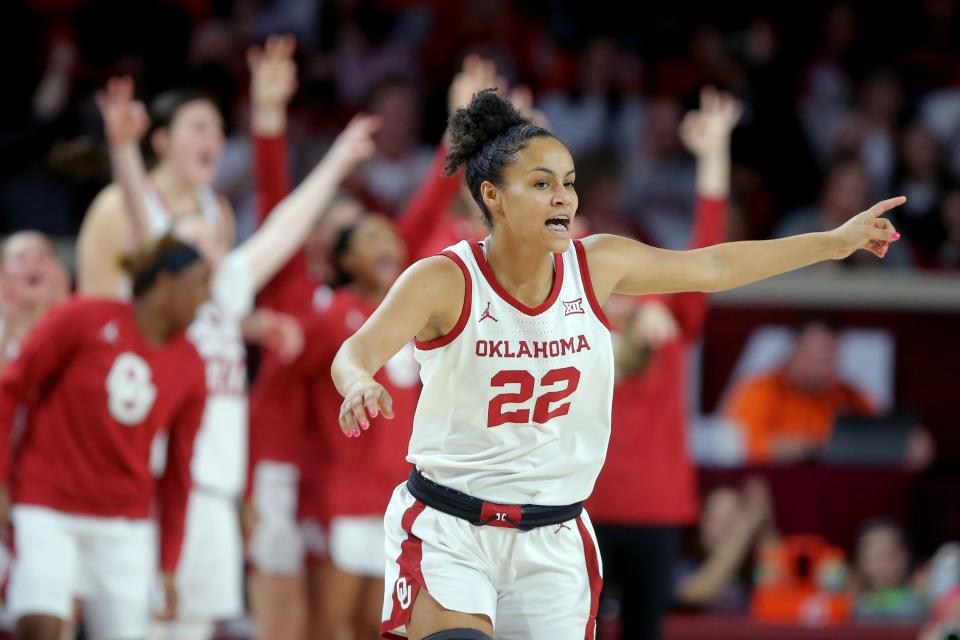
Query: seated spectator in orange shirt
column 787, row 414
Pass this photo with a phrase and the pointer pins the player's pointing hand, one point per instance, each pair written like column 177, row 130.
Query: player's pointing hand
column 868, row 230
column 365, row 399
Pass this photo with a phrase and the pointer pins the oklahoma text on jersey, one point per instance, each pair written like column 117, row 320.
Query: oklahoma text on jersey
column 528, row 349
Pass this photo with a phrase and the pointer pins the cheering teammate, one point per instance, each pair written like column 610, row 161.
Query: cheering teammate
column 513, row 421
column 32, row 280
column 647, row 488
column 100, row 378
column 210, row 575
column 285, row 451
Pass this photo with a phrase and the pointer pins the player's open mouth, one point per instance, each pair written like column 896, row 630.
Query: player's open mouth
column 559, row 224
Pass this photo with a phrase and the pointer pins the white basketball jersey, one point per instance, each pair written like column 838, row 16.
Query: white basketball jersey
column 220, row 449
column 516, row 401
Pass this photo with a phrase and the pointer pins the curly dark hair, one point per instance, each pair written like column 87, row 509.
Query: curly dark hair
column 485, row 136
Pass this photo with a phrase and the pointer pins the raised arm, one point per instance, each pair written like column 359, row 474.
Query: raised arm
column 125, row 121
column 115, row 223
column 706, row 134
column 425, row 302
column 288, row 225
column 273, row 82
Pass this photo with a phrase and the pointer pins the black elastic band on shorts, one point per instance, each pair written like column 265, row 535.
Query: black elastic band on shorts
column 480, row 512
column 458, row 634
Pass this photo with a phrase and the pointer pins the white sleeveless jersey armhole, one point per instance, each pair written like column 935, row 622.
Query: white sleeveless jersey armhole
column 516, row 401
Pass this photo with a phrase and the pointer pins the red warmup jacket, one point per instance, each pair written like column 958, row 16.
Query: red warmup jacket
column 351, row 476
column 96, row 394
column 648, row 477
column 278, row 397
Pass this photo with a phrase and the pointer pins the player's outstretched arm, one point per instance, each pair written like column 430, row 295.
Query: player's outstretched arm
column 621, row 265
column 287, row 226
column 425, row 302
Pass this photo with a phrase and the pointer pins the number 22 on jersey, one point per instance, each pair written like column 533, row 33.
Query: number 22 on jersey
column 561, row 382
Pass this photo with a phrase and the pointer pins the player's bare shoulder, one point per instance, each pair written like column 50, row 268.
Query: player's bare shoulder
column 439, row 285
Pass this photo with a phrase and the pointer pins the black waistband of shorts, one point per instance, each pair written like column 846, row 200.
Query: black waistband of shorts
column 480, row 512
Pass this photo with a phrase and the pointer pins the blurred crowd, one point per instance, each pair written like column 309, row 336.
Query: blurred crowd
column 852, row 113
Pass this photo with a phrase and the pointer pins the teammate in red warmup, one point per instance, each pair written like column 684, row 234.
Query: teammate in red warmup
column 647, row 487
column 100, row 378
column 368, row 256
column 489, row 535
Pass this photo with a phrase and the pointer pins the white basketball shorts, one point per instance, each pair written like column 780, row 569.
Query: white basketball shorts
column 210, row 574
column 106, row 563
column 357, row 544
column 542, row 584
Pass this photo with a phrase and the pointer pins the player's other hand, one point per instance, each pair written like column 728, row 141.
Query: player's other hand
column 125, row 120
column 707, row 129
column 169, row 596
column 867, row 230
column 476, row 75
column 4, row 510
column 273, row 72
column 354, row 144
column 365, row 399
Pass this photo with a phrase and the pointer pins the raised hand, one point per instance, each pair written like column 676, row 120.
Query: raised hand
column 707, row 129
column 365, row 397
column 125, row 120
column 273, row 72
column 868, row 230
column 354, row 144
column 476, row 74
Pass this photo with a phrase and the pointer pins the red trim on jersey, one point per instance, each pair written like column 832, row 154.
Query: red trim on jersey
column 588, row 284
column 503, row 293
column 443, row 341
column 410, row 579
column 593, row 574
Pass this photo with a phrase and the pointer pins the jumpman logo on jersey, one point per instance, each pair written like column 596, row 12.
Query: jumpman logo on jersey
column 486, row 314
column 561, row 526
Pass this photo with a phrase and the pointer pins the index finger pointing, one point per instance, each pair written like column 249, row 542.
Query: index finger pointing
column 885, row 205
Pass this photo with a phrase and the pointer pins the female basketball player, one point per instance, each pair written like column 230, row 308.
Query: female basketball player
column 211, row 572
column 517, row 368
column 341, row 575
column 100, row 378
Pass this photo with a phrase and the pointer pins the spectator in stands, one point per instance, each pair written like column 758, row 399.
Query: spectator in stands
column 921, row 177
column 948, row 254
column 595, row 114
column 845, row 189
column 786, row 415
column 882, row 574
column 869, row 132
column 733, row 524
column 826, row 81
column 659, row 185
column 393, row 175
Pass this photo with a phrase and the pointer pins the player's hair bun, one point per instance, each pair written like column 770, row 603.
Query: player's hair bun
column 486, row 136
column 487, row 116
